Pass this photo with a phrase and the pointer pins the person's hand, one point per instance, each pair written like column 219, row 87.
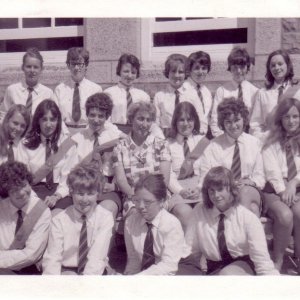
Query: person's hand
column 245, row 181
column 109, row 187
column 50, row 201
column 288, row 196
column 190, row 193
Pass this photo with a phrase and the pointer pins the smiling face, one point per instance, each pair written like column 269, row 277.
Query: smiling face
column 20, row 196
column 176, row 75
column 234, row 125
column 147, row 204
column 278, row 68
column 185, row 124
column 291, row 120
column 96, row 118
column 238, row 72
column 77, row 69
column 16, row 126
column 198, row 73
column 32, row 69
column 128, row 74
column 84, row 200
column 141, row 123
column 221, row 197
column 48, row 124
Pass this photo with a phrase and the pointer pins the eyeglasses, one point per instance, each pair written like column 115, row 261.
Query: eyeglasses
column 146, row 203
column 79, row 65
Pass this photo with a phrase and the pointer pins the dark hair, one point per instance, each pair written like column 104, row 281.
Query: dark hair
column 4, row 132
column 218, row 177
column 35, row 53
column 84, row 177
column 174, row 60
column 102, row 101
column 12, row 176
column 199, row 57
column 231, row 106
column 190, row 110
column 277, row 132
column 131, row 59
column 33, row 137
column 75, row 53
column 141, row 106
column 239, row 56
column 154, row 184
column 290, row 70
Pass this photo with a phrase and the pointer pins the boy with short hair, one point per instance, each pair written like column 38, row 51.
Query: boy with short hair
column 80, row 235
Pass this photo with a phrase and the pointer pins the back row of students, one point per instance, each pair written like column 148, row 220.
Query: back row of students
column 143, row 152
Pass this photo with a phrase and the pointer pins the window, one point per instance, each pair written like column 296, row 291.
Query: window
column 52, row 36
column 217, row 36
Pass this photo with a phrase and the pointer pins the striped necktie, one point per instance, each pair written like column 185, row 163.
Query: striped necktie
column 186, row 149
column 83, row 247
column 280, row 92
column 177, row 96
column 76, row 111
column 148, row 254
column 10, row 151
column 200, row 96
column 291, row 166
column 49, row 177
column 128, row 97
column 236, row 163
column 29, row 100
column 240, row 93
column 225, row 255
column 19, row 221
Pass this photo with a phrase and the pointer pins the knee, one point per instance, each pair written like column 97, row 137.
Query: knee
column 182, row 211
column 111, row 206
column 284, row 217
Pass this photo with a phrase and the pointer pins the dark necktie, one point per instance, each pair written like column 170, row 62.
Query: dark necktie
column 240, row 92
column 83, row 247
column 236, row 163
column 76, row 112
column 292, row 170
column 200, row 96
column 225, row 255
column 49, row 177
column 280, row 92
column 128, row 97
column 29, row 99
column 96, row 141
column 186, row 149
column 19, row 221
column 10, row 151
column 177, row 96
column 148, row 254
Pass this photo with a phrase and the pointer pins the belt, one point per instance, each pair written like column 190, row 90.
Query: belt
column 76, row 125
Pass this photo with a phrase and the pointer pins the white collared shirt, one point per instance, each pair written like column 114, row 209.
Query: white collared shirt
column 63, row 94
column 118, row 95
column 63, row 245
column 17, row 93
column 169, row 245
column 36, row 242
column 164, row 102
column 17, row 150
column 228, row 90
column 243, row 232
column 220, row 152
column 276, row 166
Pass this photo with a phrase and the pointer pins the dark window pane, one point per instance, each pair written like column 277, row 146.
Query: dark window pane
column 8, row 23
column 68, row 21
column 45, row 44
column 197, row 18
column 200, row 37
column 36, row 22
column 167, row 19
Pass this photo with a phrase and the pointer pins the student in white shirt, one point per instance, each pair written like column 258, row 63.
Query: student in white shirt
column 154, row 238
column 24, row 222
column 72, row 94
column 233, row 118
column 29, row 92
column 186, row 145
column 279, row 78
column 44, row 139
column 198, row 66
column 229, row 236
column 12, row 130
column 239, row 88
column 282, row 167
column 80, row 235
column 166, row 100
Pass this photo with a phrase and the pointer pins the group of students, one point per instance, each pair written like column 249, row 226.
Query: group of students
column 189, row 174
